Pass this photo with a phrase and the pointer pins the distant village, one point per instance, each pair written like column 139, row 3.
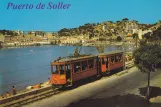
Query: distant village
column 107, row 32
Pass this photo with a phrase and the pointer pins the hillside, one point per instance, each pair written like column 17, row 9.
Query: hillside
column 108, row 28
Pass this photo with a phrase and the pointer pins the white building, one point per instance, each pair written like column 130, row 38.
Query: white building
column 70, row 41
column 141, row 33
column 19, row 32
column 131, row 26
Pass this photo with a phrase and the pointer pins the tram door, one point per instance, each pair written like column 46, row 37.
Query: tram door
column 62, row 74
column 107, row 64
column 104, row 64
column 68, row 72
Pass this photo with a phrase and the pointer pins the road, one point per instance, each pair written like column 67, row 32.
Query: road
column 125, row 89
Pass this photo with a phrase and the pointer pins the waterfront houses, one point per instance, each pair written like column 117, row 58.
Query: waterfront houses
column 74, row 39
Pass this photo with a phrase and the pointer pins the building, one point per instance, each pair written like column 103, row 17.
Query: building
column 31, row 33
column 7, row 38
column 70, row 40
column 141, row 33
column 19, row 32
column 133, row 27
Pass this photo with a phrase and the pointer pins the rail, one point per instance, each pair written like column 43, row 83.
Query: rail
column 36, row 94
column 28, row 97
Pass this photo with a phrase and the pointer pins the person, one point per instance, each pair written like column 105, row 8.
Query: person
column 1, row 97
column 78, row 68
column 14, row 90
column 37, row 86
column 7, row 94
column 49, row 81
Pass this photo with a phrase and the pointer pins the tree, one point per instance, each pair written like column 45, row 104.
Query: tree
column 147, row 36
column 8, row 32
column 156, row 34
column 125, row 19
column 153, row 36
column 148, row 58
column 118, row 23
column 119, row 38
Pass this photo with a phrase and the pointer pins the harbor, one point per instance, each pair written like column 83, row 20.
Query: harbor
column 14, row 71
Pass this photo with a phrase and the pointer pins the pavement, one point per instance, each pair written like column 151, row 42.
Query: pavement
column 124, row 89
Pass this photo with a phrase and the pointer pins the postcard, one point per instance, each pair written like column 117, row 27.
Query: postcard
column 88, row 53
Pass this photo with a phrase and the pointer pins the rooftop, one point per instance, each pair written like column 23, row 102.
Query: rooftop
column 83, row 56
column 73, row 58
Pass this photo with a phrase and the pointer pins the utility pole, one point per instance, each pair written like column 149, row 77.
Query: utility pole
column 124, row 51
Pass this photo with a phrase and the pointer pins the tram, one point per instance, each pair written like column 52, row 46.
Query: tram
column 66, row 71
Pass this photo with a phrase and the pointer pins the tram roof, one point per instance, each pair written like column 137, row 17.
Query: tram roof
column 81, row 57
column 110, row 53
column 72, row 58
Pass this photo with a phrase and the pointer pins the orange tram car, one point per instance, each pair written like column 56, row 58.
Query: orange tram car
column 66, row 71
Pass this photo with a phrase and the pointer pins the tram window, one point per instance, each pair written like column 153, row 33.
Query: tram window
column 106, row 59
column 67, row 67
column 62, row 69
column 55, row 69
column 103, row 60
column 84, row 65
column 91, row 63
column 117, row 58
column 112, row 59
column 77, row 67
column 120, row 58
column 99, row 59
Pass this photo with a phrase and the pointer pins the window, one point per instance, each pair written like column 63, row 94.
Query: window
column 84, row 65
column 91, row 63
column 54, row 69
column 99, row 59
column 103, row 60
column 77, row 67
column 112, row 59
column 67, row 67
column 120, row 58
column 106, row 59
column 117, row 58
column 62, row 70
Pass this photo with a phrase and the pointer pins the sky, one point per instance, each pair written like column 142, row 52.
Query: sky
column 78, row 13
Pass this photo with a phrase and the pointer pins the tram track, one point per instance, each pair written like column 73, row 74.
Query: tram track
column 39, row 96
column 32, row 98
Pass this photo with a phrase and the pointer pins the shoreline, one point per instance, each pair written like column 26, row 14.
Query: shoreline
column 17, row 45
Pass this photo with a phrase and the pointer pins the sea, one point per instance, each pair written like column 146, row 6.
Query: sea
column 26, row 66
